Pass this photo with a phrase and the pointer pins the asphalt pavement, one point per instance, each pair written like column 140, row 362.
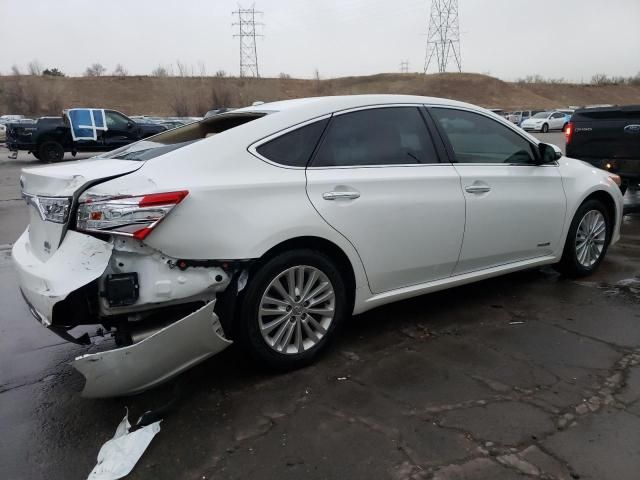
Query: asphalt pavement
column 527, row 374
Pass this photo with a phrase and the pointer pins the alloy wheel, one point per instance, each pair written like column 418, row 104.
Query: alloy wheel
column 296, row 309
column 590, row 238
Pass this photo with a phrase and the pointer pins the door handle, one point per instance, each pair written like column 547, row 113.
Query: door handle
column 477, row 188
column 337, row 195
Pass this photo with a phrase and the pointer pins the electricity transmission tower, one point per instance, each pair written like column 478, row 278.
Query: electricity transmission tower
column 404, row 66
column 246, row 22
column 443, row 39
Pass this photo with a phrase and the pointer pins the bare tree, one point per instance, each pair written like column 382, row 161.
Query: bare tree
column 120, row 71
column 15, row 70
column 95, row 70
column 180, row 104
column 220, row 97
column 34, row 67
column 183, row 69
column 160, row 71
column 284, row 76
column 601, row 79
column 203, row 69
column 221, row 74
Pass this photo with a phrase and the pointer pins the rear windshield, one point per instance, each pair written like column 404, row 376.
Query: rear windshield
column 181, row 137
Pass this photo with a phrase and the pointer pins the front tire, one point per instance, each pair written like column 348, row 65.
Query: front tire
column 587, row 241
column 292, row 309
column 545, row 128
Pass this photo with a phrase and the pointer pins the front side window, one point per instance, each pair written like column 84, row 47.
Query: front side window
column 377, row 136
column 116, row 121
column 294, row 148
column 479, row 139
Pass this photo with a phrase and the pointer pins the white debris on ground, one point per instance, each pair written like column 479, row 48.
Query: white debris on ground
column 118, row 456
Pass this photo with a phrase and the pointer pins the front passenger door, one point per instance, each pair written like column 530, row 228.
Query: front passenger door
column 515, row 207
column 120, row 130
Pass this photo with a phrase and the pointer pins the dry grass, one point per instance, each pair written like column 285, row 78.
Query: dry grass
column 196, row 95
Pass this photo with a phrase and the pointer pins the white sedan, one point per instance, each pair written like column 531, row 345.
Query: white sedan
column 271, row 225
column 545, row 121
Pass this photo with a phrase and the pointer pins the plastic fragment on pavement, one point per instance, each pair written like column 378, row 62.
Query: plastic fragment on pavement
column 119, row 455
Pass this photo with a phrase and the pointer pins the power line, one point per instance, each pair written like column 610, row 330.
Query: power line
column 247, row 34
column 443, row 39
column 404, row 66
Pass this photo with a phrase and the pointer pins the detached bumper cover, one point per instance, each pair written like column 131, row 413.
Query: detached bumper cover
column 79, row 260
column 155, row 359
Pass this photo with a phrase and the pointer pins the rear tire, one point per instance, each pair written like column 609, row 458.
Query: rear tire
column 545, row 128
column 50, row 151
column 587, row 240
column 285, row 320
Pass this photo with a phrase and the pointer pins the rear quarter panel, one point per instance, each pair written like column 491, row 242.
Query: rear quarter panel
column 238, row 206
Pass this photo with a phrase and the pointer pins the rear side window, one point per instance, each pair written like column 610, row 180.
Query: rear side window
column 479, row 139
column 379, row 136
column 294, row 148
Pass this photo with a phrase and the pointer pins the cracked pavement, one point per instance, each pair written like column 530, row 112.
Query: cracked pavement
column 529, row 375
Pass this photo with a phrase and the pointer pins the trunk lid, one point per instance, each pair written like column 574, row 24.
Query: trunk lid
column 64, row 182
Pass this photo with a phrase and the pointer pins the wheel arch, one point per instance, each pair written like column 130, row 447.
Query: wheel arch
column 329, row 248
column 607, row 200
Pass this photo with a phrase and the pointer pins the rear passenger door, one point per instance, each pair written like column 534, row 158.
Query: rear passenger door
column 377, row 179
column 556, row 122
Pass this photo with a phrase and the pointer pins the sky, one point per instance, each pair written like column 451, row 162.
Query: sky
column 509, row 39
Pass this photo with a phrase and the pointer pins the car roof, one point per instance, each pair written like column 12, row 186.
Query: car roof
column 329, row 104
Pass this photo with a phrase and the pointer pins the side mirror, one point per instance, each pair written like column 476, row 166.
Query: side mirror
column 549, row 153
column 129, row 125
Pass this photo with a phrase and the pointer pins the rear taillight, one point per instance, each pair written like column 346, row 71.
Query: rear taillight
column 134, row 216
column 568, row 132
column 50, row 209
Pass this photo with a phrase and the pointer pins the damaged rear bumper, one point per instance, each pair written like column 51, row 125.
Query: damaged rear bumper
column 80, row 260
column 56, row 292
column 155, row 359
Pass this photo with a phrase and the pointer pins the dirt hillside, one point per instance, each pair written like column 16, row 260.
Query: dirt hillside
column 193, row 96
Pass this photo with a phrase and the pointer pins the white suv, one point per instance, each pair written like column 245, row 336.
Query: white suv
column 545, row 121
column 271, row 225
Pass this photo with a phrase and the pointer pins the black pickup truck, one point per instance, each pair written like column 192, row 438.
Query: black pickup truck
column 50, row 137
column 607, row 138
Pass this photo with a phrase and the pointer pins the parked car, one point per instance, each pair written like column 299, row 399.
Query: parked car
column 567, row 116
column 3, row 132
column 50, row 137
column 608, row 138
column 520, row 116
column 544, row 121
column 272, row 224
column 10, row 118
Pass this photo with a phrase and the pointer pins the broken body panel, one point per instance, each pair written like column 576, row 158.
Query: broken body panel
column 156, row 354
column 155, row 359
